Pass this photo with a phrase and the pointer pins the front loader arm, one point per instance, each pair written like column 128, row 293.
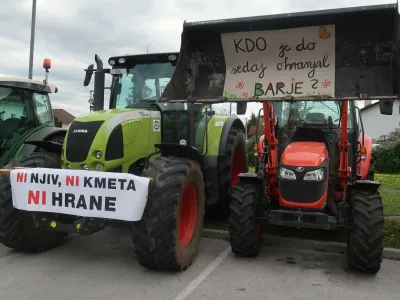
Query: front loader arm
column 272, row 141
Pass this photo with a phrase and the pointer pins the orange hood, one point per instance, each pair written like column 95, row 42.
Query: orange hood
column 304, row 154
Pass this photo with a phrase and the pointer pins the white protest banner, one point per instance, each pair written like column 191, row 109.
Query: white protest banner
column 298, row 62
column 117, row 196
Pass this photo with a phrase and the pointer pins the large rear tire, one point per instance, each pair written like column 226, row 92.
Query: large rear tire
column 244, row 229
column 365, row 239
column 168, row 236
column 17, row 228
column 234, row 162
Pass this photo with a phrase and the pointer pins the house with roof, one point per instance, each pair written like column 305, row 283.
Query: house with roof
column 62, row 118
column 376, row 124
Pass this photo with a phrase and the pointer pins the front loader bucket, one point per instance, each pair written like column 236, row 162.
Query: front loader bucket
column 324, row 54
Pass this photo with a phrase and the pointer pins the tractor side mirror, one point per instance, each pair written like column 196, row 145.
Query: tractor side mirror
column 241, row 108
column 386, row 107
column 88, row 76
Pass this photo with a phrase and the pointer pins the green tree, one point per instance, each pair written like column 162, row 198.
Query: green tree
column 252, row 121
column 387, row 154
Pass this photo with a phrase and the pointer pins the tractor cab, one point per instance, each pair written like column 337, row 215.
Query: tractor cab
column 24, row 108
column 142, row 83
column 317, row 123
column 139, row 82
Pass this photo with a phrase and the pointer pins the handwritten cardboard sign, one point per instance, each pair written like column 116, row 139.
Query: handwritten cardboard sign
column 298, row 62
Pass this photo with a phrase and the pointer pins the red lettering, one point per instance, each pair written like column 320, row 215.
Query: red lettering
column 70, row 180
column 22, row 176
column 34, row 196
column 44, row 197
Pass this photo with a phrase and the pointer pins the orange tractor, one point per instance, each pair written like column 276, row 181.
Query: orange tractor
column 307, row 69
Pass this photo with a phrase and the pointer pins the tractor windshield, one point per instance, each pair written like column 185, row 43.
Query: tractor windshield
column 20, row 111
column 321, row 114
column 142, row 82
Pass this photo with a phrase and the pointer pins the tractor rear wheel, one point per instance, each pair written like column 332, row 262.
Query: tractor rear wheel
column 230, row 166
column 17, row 227
column 168, row 235
column 365, row 239
column 244, row 229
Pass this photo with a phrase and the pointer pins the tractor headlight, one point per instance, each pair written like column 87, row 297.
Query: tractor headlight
column 315, row 175
column 99, row 167
column 287, row 174
column 99, row 154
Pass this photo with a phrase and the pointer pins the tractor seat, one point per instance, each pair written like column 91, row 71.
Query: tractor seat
column 315, row 118
column 9, row 126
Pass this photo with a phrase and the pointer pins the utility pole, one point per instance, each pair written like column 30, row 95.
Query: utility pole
column 32, row 46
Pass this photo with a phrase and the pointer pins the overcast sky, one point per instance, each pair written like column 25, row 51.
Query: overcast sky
column 70, row 32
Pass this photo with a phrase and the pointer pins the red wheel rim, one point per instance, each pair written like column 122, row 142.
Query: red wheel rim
column 187, row 215
column 237, row 167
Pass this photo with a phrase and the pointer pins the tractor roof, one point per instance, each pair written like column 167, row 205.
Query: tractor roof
column 28, row 84
column 148, row 58
column 346, row 53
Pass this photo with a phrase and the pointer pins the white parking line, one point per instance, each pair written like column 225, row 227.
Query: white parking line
column 203, row 275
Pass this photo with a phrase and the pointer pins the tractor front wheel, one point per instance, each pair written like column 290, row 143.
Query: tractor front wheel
column 168, row 236
column 17, row 227
column 365, row 239
column 244, row 229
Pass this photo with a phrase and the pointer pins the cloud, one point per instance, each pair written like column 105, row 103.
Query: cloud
column 71, row 32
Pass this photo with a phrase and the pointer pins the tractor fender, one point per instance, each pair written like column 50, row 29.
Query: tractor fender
column 363, row 165
column 211, row 159
column 41, row 137
column 232, row 121
column 366, row 185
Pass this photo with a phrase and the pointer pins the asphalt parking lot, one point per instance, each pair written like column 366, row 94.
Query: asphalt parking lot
column 102, row 266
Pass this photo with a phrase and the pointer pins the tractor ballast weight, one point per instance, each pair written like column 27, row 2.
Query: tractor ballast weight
column 307, row 69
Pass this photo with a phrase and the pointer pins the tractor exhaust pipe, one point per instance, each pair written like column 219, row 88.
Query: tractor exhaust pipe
column 99, row 81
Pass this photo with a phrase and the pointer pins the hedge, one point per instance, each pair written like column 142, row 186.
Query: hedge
column 387, row 154
column 250, row 144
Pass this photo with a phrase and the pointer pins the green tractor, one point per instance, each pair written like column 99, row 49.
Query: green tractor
column 26, row 117
column 137, row 82
column 156, row 165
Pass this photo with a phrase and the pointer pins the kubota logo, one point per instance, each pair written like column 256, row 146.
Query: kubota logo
column 80, row 131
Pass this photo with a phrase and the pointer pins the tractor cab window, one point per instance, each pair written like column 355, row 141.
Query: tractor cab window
column 321, row 114
column 43, row 108
column 175, row 126
column 20, row 111
column 309, row 120
column 142, row 82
